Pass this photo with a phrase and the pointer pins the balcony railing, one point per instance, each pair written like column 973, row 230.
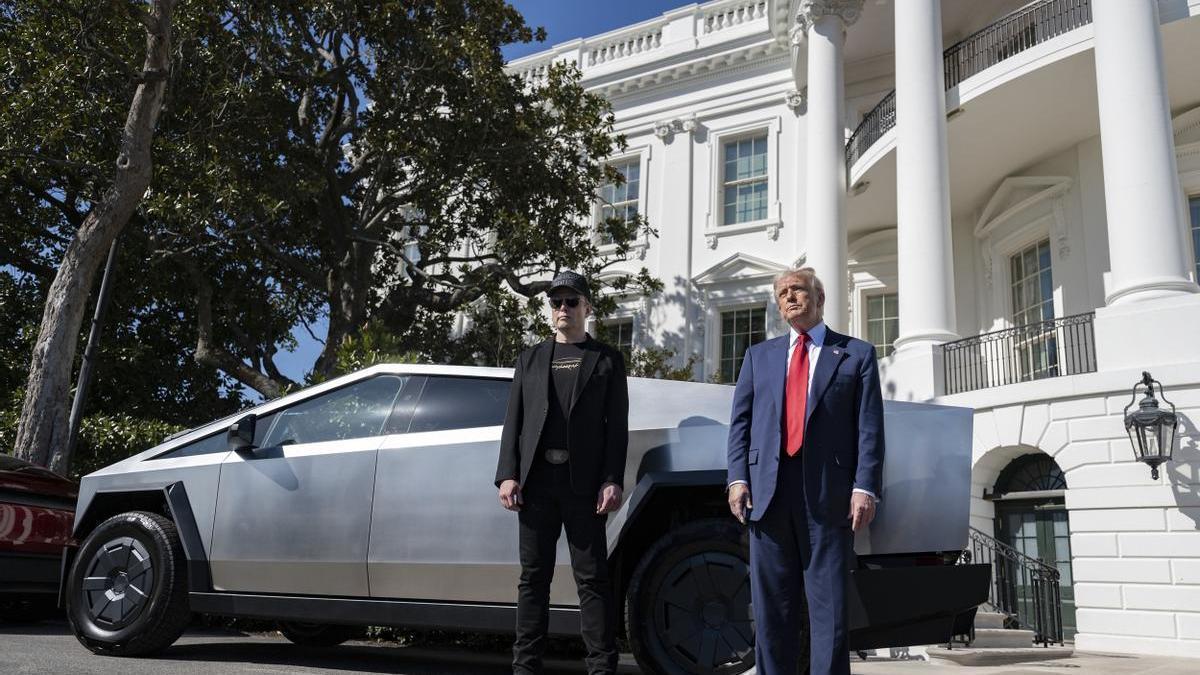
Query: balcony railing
column 1065, row 346
column 872, row 127
column 696, row 28
column 1027, row 590
column 1011, row 35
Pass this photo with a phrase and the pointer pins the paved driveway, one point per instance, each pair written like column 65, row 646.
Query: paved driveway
column 50, row 648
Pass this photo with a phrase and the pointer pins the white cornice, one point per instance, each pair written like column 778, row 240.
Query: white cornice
column 1186, row 127
column 740, row 59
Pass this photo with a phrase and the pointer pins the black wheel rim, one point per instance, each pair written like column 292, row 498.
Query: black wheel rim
column 117, row 587
column 702, row 613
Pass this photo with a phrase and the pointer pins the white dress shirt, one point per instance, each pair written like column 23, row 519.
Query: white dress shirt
column 816, row 338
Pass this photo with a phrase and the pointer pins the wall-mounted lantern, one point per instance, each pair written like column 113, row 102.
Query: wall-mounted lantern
column 1151, row 430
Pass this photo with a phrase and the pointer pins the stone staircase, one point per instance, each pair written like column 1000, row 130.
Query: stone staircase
column 996, row 645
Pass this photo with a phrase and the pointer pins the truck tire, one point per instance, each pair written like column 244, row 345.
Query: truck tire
column 127, row 590
column 318, row 634
column 687, row 610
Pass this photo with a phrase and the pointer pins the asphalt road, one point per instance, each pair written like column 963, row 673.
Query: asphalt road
column 49, row 647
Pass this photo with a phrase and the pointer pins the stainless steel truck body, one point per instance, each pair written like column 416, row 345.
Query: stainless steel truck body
column 368, row 500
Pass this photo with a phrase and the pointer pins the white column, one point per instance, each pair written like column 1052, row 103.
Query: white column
column 1141, row 181
column 925, row 265
column 824, row 23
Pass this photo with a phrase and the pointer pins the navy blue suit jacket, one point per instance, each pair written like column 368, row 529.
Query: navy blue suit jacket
column 843, row 434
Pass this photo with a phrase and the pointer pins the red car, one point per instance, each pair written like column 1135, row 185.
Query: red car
column 37, row 513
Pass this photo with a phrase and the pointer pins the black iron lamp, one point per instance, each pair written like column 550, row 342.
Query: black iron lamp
column 1151, row 429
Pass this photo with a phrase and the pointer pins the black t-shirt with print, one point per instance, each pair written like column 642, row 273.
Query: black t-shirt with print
column 564, row 371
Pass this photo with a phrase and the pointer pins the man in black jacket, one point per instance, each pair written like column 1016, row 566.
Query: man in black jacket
column 562, row 464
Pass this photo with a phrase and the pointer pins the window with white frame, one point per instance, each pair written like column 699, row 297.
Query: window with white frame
column 1033, row 304
column 745, row 180
column 620, row 201
column 740, row 328
column 883, row 322
column 1194, row 210
column 619, row 334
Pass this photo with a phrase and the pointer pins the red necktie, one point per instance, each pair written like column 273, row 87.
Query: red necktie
column 796, row 397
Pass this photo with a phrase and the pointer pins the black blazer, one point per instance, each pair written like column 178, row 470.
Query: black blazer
column 597, row 422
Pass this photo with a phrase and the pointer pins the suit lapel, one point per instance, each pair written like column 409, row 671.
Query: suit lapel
column 832, row 353
column 540, row 367
column 777, row 366
column 590, row 356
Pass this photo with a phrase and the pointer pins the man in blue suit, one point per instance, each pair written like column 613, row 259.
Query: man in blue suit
column 805, row 470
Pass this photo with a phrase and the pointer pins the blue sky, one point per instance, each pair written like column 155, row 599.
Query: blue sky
column 563, row 20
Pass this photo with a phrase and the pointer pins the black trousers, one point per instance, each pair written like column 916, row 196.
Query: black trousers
column 550, row 506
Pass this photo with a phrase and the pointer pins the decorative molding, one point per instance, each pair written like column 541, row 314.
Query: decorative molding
column 1058, row 229
column 796, row 99
column 1185, row 123
column 738, row 267
column 987, row 261
column 797, row 36
column 666, row 129
column 810, row 11
column 999, row 210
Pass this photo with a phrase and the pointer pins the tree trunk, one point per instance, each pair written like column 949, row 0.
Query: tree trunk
column 42, row 427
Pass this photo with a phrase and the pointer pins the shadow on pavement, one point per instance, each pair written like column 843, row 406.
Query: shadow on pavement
column 222, row 646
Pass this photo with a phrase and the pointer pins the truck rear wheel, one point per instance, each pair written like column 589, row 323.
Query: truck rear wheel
column 688, row 606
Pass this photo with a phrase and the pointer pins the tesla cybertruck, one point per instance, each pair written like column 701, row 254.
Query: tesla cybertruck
column 368, row 500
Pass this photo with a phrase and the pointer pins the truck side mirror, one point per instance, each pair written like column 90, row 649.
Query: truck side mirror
column 241, row 434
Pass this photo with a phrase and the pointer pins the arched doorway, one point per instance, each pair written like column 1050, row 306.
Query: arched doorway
column 1031, row 517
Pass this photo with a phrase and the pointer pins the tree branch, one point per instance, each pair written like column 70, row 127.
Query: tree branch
column 208, row 353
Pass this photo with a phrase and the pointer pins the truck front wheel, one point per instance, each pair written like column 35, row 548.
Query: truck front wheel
column 688, row 604
column 127, row 592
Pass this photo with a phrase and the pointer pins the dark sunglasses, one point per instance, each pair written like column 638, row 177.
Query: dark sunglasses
column 556, row 303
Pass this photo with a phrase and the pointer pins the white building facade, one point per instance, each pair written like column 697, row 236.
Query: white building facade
column 1003, row 196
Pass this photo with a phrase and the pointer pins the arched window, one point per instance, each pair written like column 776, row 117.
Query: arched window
column 1030, row 473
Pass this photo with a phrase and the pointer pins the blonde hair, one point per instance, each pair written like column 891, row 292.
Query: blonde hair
column 800, row 272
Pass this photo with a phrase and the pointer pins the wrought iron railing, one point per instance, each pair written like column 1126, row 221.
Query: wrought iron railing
column 1026, row 589
column 1011, row 35
column 1053, row 348
column 872, row 127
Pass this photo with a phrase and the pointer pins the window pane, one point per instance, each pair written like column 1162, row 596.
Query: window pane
column 745, row 180
column 460, row 403
column 883, row 323
column 740, row 328
column 1194, row 207
column 356, row 411
column 204, row 446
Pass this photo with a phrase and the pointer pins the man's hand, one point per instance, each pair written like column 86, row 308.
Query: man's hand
column 609, row 498
column 739, row 501
column 862, row 510
column 510, row 495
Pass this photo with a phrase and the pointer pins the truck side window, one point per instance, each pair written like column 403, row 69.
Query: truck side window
column 460, row 403
column 354, row 411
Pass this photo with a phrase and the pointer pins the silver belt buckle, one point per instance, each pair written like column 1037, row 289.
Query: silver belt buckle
column 556, row 456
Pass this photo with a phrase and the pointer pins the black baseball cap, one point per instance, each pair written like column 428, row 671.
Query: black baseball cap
column 573, row 281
